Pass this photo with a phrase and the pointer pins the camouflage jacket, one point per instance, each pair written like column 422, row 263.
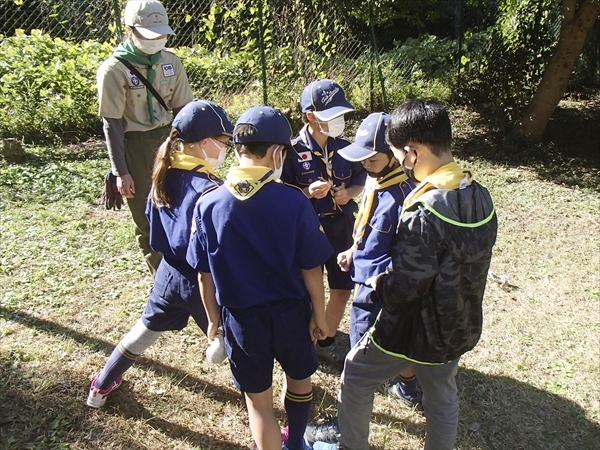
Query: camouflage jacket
column 432, row 300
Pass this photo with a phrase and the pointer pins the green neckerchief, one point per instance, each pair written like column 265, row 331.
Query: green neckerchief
column 126, row 50
column 244, row 182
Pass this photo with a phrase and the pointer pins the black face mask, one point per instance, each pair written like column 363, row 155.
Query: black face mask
column 383, row 172
column 410, row 173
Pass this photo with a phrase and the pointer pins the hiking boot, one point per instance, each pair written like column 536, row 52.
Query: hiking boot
column 97, row 397
column 410, row 400
column 327, row 432
column 285, row 433
column 333, row 354
column 305, row 446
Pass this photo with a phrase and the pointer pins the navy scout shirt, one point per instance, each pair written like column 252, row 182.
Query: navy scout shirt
column 170, row 228
column 310, row 163
column 255, row 248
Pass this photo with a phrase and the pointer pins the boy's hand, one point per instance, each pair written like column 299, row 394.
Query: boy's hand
column 373, row 281
column 344, row 259
column 342, row 196
column 319, row 188
column 211, row 332
column 317, row 328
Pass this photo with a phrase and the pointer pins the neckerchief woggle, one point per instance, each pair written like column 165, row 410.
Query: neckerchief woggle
column 127, row 50
column 325, row 156
column 395, row 177
column 449, row 176
column 244, row 182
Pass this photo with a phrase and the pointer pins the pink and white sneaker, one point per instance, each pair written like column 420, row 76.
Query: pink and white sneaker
column 97, row 397
column 285, row 434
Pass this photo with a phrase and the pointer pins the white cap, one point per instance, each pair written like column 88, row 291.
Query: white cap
column 148, row 17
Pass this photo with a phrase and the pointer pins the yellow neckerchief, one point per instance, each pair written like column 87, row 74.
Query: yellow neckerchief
column 449, row 176
column 326, row 157
column 244, row 182
column 396, row 176
column 180, row 160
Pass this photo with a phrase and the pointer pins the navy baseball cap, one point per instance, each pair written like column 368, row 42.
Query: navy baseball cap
column 370, row 139
column 270, row 124
column 200, row 119
column 326, row 99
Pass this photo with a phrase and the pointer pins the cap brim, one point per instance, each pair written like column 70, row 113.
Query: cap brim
column 332, row 113
column 356, row 153
column 155, row 31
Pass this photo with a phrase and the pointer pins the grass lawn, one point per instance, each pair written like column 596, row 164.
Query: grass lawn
column 72, row 282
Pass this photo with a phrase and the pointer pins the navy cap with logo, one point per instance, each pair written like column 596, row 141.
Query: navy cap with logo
column 326, row 99
column 200, row 119
column 369, row 140
column 270, row 125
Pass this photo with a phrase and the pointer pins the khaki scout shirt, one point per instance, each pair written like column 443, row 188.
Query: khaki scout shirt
column 122, row 95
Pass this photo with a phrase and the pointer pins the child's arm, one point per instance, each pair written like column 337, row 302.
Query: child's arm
column 213, row 312
column 313, row 280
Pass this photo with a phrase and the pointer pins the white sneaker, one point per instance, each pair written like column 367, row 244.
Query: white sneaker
column 97, row 397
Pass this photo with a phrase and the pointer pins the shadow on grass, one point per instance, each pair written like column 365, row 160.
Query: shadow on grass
column 58, row 409
column 569, row 153
column 500, row 413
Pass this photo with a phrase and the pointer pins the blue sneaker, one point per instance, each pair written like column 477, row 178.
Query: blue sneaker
column 327, row 432
column 305, row 446
column 325, row 446
column 411, row 400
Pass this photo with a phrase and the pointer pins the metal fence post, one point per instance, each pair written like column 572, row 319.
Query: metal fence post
column 376, row 51
column 261, row 46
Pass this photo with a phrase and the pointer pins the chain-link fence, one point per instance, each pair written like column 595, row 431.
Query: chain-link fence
column 241, row 53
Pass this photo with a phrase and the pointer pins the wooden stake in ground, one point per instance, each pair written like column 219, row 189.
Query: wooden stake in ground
column 12, row 150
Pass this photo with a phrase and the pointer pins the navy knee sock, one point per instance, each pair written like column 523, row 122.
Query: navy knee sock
column 119, row 361
column 297, row 407
column 409, row 385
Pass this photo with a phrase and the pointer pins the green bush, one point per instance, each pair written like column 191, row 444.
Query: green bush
column 48, row 87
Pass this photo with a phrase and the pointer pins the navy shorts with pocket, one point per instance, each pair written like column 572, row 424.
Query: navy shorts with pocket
column 174, row 297
column 338, row 229
column 255, row 337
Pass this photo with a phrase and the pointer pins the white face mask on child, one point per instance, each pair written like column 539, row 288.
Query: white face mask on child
column 216, row 162
column 148, row 46
column 277, row 172
column 335, row 126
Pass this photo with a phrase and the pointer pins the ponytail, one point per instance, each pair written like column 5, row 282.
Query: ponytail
column 158, row 194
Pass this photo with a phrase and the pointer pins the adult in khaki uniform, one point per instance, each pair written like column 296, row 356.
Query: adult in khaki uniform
column 135, row 123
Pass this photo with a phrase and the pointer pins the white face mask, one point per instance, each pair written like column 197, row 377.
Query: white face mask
column 335, row 126
column 277, row 172
column 149, row 47
column 216, row 162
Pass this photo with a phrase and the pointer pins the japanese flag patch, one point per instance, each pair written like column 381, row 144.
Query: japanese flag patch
column 304, row 156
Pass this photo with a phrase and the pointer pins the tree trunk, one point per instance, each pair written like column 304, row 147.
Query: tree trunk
column 575, row 26
column 12, row 150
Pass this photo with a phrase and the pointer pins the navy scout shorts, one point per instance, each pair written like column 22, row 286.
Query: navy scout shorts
column 338, row 229
column 255, row 337
column 174, row 297
column 365, row 309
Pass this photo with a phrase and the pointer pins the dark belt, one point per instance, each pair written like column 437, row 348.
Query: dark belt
column 331, row 216
column 155, row 133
